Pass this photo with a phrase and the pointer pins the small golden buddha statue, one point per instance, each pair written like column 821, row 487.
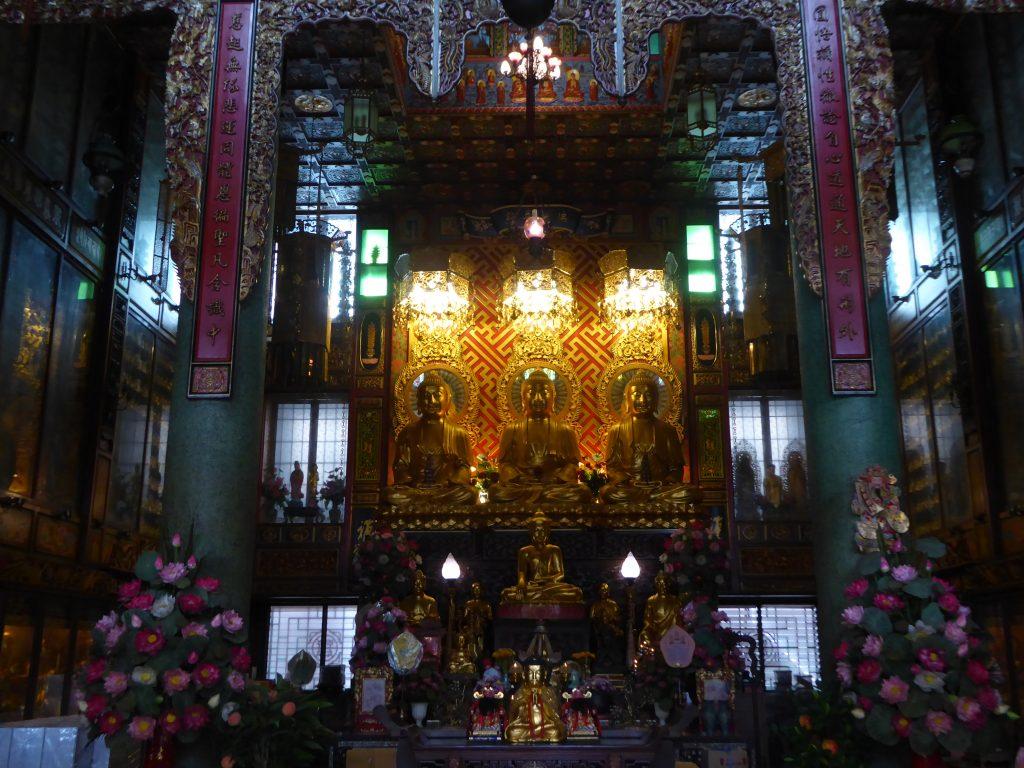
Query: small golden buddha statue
column 534, row 712
column 420, row 607
column 660, row 613
column 772, row 488
column 461, row 661
column 541, row 572
column 605, row 614
column 538, row 458
column 645, row 458
column 476, row 616
column 432, row 454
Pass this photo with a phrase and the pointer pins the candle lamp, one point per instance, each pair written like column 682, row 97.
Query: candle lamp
column 451, row 572
column 630, row 571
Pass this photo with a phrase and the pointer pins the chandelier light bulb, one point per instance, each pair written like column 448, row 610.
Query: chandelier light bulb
column 630, row 567
column 451, row 571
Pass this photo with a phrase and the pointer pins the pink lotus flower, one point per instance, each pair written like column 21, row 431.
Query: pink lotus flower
column 111, row 722
column 190, row 604
column 95, row 706
column 206, row 675
column 230, row 620
column 235, row 681
column 941, row 585
column 949, row 602
column 194, row 629
column 141, row 602
column 901, row 724
column 989, row 699
column 128, row 590
column 931, row 659
column 196, row 717
column 94, row 670
column 856, row 589
column 894, row 690
column 868, row 671
column 240, row 659
column 106, row 623
column 872, row 646
column 136, row 621
column 191, row 563
column 176, row 540
column 115, row 683
column 170, row 722
column 176, row 680
column 939, row 723
column 845, row 673
column 113, row 636
column 967, row 709
column 853, row 615
column 977, row 672
column 193, row 658
column 888, row 602
column 150, row 642
column 208, row 583
column 141, row 728
column 172, row 572
column 841, row 651
column 904, row 573
column 954, row 633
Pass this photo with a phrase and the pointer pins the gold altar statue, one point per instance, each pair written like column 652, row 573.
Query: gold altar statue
column 419, row 606
column 644, row 455
column 432, row 454
column 660, row 613
column 462, row 661
column 476, row 616
column 605, row 614
column 540, row 571
column 538, row 458
column 534, row 711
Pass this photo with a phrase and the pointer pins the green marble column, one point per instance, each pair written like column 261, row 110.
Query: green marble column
column 845, row 435
column 213, row 454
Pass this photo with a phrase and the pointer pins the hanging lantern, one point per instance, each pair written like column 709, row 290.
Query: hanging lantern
column 360, row 119
column 701, row 112
column 533, row 227
column 639, row 288
column 958, row 140
column 538, row 293
column 433, row 292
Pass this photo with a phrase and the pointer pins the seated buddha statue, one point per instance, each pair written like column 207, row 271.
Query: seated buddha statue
column 644, row 455
column 538, row 458
column 420, row 607
column 540, row 572
column 432, row 454
column 534, row 712
column 660, row 613
column 461, row 661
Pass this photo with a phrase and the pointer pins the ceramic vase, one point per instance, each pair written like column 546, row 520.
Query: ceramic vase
column 419, row 712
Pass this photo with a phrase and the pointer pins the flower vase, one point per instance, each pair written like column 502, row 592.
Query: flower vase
column 334, row 513
column 929, row 761
column 662, row 713
column 160, row 752
column 419, row 712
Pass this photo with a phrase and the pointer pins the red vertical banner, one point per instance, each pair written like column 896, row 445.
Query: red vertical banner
column 844, row 286
column 219, row 270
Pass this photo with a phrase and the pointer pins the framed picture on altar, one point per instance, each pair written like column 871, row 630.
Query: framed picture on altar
column 372, row 688
column 716, row 687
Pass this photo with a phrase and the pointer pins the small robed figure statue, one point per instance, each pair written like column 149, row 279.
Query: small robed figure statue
column 540, row 572
column 295, row 481
column 420, row 607
column 660, row 613
column 534, row 715
column 432, row 454
column 477, row 616
column 539, row 457
column 644, row 454
column 606, row 624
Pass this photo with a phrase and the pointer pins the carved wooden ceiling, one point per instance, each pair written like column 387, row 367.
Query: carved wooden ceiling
column 470, row 147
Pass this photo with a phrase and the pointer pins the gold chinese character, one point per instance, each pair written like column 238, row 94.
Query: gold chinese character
column 227, row 127
column 832, row 139
column 846, row 304
column 841, row 252
column 218, row 259
column 227, row 147
column 220, row 215
column 230, row 106
column 216, row 283
column 827, row 76
column 234, row 43
column 823, row 34
column 837, row 202
column 225, row 169
column 215, row 307
column 233, row 65
column 835, row 178
column 231, row 86
column 836, row 158
column 847, row 331
column 839, row 227
column 212, row 333
column 219, row 236
column 222, row 193
column 819, row 13
column 843, row 276
column 824, row 53
column 828, row 117
column 827, row 96
column 236, row 21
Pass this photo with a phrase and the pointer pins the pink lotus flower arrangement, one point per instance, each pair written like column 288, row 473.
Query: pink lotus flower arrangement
column 697, row 559
column 274, row 489
column 716, row 643
column 914, row 666
column 384, row 561
column 168, row 657
column 379, row 625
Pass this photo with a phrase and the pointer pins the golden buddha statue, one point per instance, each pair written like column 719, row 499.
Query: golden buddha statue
column 644, row 455
column 605, row 614
column 540, row 572
column 534, row 712
column 660, row 613
column 420, row 607
column 538, row 458
column 476, row 615
column 462, row 661
column 432, row 454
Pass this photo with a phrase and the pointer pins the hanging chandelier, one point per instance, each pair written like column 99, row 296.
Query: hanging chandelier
column 432, row 295
column 545, row 65
column 701, row 112
column 537, row 295
column 639, row 289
